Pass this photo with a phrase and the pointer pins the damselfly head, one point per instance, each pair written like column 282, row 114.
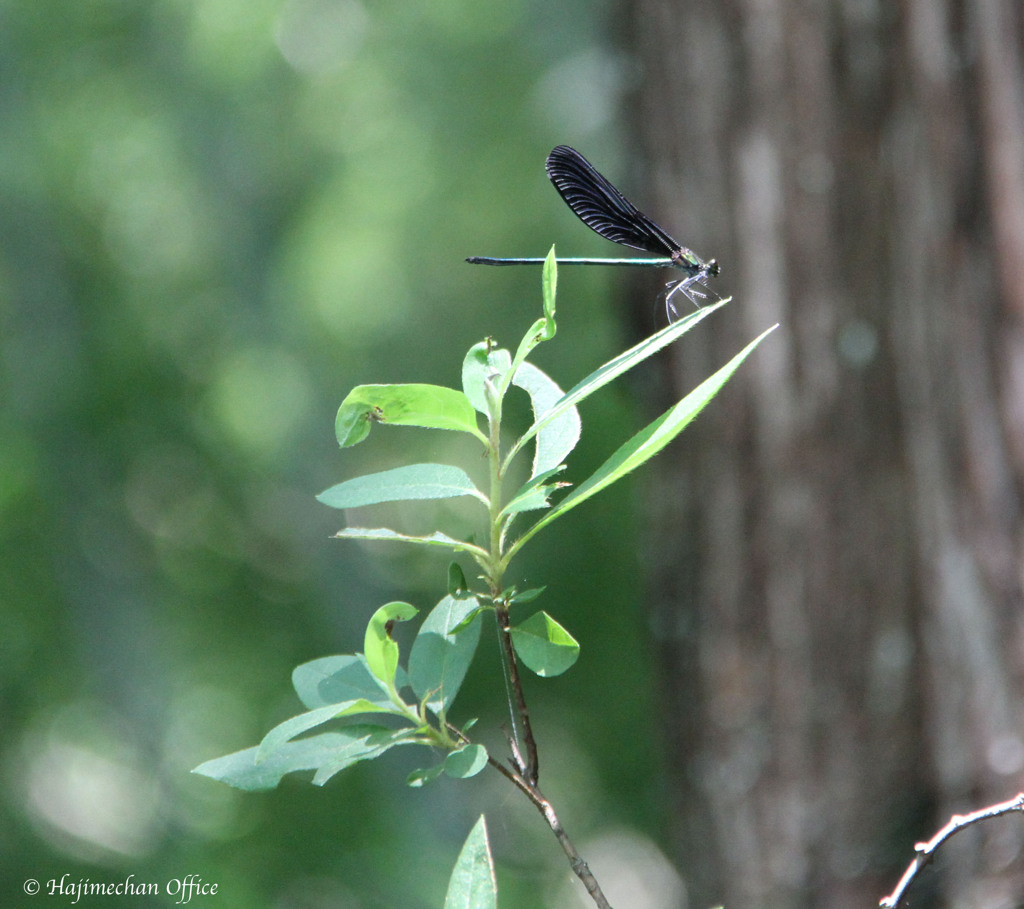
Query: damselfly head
column 690, row 262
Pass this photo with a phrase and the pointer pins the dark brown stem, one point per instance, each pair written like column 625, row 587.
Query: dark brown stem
column 524, row 773
column 580, row 868
column 531, row 769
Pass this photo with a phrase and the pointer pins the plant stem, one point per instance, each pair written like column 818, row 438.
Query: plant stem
column 531, row 769
column 530, row 766
column 580, row 868
column 494, row 497
column 525, row 774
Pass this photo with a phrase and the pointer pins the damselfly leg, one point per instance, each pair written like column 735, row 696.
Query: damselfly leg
column 694, row 288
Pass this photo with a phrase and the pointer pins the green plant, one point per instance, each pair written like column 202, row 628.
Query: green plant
column 374, row 703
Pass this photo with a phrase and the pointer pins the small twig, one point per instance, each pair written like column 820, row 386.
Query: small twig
column 925, row 852
column 580, row 868
column 517, row 758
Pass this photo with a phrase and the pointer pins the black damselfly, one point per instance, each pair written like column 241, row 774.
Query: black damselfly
column 606, row 211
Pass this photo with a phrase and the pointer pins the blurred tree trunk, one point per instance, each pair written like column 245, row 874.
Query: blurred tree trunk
column 836, row 544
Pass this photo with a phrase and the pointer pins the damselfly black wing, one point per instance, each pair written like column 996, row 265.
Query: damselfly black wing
column 602, row 207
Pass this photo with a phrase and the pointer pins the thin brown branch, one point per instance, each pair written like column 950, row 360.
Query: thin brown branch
column 925, row 852
column 580, row 868
column 524, row 771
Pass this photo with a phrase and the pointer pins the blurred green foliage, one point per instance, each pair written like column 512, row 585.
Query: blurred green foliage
column 216, row 217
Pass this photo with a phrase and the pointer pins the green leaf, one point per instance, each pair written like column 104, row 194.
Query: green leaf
column 465, row 762
column 296, row 725
column 483, row 363
column 429, row 406
column 533, row 337
column 646, row 443
column 424, row 776
column 242, row 771
column 613, row 369
column 549, row 284
column 381, row 651
column 456, row 579
column 440, row 656
column 415, row 481
column 526, row 596
column 473, row 884
column 544, row 646
column 333, row 679
column 470, row 617
column 557, row 437
column 543, row 329
column 535, row 493
column 434, row 539
column 369, row 742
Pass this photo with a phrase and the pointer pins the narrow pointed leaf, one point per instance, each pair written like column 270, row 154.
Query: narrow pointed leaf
column 535, row 493
column 473, row 884
column 470, row 617
column 531, row 339
column 549, row 285
column 242, row 770
column 525, row 596
column 296, row 725
column 414, row 481
column 615, row 368
column 388, row 535
column 646, row 443
column 543, row 329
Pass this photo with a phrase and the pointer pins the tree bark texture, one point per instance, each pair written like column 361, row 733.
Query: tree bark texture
column 836, row 544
